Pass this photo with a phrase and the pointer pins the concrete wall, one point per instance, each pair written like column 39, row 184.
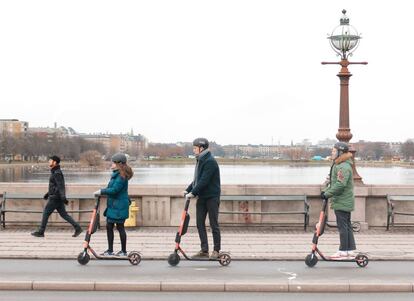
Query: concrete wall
column 162, row 205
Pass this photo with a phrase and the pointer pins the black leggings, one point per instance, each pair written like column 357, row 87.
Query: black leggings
column 110, row 235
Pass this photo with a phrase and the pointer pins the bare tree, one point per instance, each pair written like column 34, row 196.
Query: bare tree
column 407, row 149
column 91, row 158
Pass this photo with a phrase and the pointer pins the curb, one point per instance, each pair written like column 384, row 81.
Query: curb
column 166, row 286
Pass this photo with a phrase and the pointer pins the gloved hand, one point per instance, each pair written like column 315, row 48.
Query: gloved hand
column 184, row 193
column 46, row 196
column 189, row 196
column 65, row 201
column 323, row 196
column 97, row 193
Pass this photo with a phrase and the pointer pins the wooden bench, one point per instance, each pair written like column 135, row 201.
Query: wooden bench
column 392, row 212
column 269, row 198
column 16, row 196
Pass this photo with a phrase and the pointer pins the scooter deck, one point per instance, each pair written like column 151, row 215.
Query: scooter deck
column 348, row 259
column 203, row 259
column 111, row 257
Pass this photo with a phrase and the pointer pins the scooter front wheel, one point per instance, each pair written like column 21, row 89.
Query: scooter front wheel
column 362, row 260
column 311, row 260
column 224, row 259
column 134, row 258
column 173, row 259
column 83, row 258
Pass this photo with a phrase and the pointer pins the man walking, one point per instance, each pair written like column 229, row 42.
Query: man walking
column 207, row 188
column 56, row 197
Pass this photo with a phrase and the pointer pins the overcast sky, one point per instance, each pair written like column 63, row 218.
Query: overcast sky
column 236, row 72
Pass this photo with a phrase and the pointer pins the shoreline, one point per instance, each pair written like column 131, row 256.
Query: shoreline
column 223, row 161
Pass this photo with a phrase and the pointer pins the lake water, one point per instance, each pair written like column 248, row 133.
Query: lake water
column 230, row 174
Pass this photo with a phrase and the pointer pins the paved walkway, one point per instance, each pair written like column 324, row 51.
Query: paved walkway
column 239, row 276
column 158, row 243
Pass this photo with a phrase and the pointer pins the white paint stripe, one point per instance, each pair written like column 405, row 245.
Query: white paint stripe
column 291, row 274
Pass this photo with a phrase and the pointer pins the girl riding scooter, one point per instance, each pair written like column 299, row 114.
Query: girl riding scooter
column 117, row 210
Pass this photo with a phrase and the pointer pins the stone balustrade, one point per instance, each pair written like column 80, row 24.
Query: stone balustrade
column 161, row 205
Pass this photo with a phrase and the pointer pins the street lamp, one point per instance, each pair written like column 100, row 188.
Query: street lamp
column 344, row 40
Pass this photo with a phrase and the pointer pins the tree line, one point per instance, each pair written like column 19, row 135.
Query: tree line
column 34, row 147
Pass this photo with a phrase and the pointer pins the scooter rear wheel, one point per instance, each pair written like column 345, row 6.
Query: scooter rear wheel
column 362, row 260
column 224, row 259
column 173, row 259
column 311, row 260
column 83, row 258
column 134, row 258
column 356, row 227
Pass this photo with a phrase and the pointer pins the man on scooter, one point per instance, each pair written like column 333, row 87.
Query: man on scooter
column 206, row 188
column 341, row 193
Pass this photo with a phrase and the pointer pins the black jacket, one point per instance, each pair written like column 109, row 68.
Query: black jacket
column 56, row 185
column 208, row 178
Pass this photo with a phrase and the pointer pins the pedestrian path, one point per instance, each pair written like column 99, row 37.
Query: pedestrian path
column 239, row 276
column 243, row 244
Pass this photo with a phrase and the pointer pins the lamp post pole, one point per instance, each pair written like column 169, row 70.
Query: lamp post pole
column 344, row 40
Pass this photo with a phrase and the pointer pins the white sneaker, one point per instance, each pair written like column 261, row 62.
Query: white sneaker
column 352, row 254
column 340, row 255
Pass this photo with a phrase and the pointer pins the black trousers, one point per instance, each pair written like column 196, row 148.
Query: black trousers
column 346, row 235
column 210, row 207
column 110, row 235
column 58, row 205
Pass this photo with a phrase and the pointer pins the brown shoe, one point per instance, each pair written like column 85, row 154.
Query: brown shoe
column 214, row 255
column 200, row 254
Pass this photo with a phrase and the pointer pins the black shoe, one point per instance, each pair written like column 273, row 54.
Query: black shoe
column 38, row 234
column 121, row 254
column 77, row 232
column 108, row 253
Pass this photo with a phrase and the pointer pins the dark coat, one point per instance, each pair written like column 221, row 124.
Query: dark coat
column 208, row 178
column 56, row 190
column 118, row 200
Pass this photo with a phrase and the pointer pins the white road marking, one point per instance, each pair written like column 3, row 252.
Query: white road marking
column 291, row 274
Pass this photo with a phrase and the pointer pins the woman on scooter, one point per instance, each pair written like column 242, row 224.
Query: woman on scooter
column 117, row 210
column 341, row 192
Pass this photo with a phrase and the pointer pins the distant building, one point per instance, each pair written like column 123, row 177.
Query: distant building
column 252, row 151
column 50, row 132
column 13, row 127
column 133, row 145
column 327, row 143
column 305, row 143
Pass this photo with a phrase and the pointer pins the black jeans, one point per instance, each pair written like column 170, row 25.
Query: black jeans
column 210, row 207
column 346, row 235
column 58, row 205
column 110, row 236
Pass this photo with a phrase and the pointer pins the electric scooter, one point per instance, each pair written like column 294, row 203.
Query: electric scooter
column 134, row 257
column 311, row 259
column 224, row 258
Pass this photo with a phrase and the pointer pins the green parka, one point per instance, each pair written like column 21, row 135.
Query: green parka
column 341, row 187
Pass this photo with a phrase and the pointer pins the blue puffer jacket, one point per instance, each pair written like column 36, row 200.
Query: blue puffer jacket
column 118, row 201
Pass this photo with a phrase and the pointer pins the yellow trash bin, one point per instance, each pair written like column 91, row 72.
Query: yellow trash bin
column 132, row 219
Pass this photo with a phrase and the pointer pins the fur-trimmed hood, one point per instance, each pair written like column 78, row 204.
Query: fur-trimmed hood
column 343, row 158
